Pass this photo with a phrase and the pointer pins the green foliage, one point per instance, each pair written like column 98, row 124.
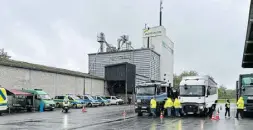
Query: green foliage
column 177, row 78
column 224, row 93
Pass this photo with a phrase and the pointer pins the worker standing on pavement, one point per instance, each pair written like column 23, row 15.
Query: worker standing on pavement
column 168, row 105
column 177, row 106
column 153, row 106
column 240, row 107
column 227, row 106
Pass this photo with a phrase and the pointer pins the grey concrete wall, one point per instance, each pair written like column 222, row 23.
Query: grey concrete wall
column 54, row 84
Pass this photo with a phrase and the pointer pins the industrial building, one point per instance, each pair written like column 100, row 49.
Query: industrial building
column 55, row 81
column 154, row 61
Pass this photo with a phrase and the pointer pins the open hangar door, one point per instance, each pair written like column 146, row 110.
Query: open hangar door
column 120, row 79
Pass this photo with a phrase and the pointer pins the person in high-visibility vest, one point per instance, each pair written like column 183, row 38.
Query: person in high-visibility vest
column 177, row 106
column 227, row 106
column 168, row 105
column 153, row 106
column 240, row 107
column 3, row 100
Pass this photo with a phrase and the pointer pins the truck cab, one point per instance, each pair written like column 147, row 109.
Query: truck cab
column 145, row 91
column 198, row 94
column 40, row 95
column 244, row 88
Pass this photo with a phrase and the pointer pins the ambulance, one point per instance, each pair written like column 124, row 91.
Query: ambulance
column 3, row 101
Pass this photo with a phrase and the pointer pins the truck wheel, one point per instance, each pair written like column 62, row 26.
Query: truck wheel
column 139, row 114
column 0, row 114
column 89, row 105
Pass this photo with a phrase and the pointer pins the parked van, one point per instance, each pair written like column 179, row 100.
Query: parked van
column 75, row 101
column 40, row 95
column 115, row 100
column 3, row 100
column 89, row 100
column 103, row 101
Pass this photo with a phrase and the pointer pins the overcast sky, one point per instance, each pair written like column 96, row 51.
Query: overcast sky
column 209, row 35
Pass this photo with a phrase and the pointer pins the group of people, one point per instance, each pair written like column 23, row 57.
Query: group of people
column 169, row 104
column 239, row 105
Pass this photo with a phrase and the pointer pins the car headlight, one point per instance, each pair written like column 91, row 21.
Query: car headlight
column 201, row 107
column 138, row 100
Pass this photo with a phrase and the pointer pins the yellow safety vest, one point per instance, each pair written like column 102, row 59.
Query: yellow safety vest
column 153, row 103
column 177, row 103
column 240, row 103
column 168, row 103
column 3, row 97
column 227, row 104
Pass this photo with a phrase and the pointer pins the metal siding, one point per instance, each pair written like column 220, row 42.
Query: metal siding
column 140, row 58
column 117, row 72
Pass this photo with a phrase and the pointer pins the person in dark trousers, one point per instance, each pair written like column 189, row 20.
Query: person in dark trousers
column 227, row 107
column 213, row 108
column 240, row 107
column 129, row 100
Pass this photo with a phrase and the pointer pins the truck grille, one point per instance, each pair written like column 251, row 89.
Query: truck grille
column 190, row 108
column 249, row 101
column 145, row 101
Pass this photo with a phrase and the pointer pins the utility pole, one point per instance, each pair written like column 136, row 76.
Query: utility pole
column 161, row 2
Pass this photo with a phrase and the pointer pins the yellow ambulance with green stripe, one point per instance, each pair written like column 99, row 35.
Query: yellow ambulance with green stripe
column 3, row 100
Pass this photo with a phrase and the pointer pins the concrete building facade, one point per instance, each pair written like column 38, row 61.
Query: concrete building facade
column 54, row 81
column 155, row 38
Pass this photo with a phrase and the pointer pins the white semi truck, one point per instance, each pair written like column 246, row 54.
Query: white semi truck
column 198, row 94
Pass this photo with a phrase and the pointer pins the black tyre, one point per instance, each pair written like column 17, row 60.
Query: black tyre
column 89, row 105
column 117, row 103
column 66, row 110
column 139, row 113
column 103, row 104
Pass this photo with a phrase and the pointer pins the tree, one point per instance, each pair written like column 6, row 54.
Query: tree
column 4, row 55
column 222, row 93
column 177, row 78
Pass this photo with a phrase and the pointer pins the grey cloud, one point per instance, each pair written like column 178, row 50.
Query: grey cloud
column 208, row 35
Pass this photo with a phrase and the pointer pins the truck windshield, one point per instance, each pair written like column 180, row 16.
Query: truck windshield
column 148, row 90
column 44, row 96
column 248, row 91
column 247, row 80
column 192, row 90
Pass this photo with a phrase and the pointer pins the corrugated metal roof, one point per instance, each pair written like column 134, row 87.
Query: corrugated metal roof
column 37, row 67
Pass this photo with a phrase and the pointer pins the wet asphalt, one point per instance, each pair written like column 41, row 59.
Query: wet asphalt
column 111, row 118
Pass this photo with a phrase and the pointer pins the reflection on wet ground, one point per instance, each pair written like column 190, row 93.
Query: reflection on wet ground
column 111, row 118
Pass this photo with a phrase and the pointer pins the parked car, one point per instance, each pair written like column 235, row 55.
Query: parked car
column 115, row 100
column 103, row 101
column 39, row 96
column 88, row 99
column 75, row 101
